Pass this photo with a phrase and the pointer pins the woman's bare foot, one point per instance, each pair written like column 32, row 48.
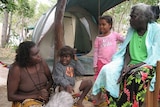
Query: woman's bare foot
column 98, row 102
column 79, row 104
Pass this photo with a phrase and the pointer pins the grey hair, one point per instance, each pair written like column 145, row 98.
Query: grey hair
column 61, row 99
column 144, row 11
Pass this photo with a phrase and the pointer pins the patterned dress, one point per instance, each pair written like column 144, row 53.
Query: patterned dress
column 133, row 88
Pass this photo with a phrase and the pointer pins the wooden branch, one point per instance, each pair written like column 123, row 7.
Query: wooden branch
column 58, row 27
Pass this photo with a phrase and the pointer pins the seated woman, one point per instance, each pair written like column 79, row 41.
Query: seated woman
column 29, row 77
column 126, row 77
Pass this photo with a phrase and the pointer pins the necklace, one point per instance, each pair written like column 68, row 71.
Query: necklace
column 38, row 86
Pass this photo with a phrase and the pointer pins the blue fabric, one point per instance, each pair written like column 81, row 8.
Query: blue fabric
column 110, row 73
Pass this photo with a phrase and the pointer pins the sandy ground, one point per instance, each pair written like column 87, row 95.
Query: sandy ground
column 3, row 89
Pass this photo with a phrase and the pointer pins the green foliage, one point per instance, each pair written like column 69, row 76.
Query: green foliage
column 8, row 5
column 150, row 2
column 120, row 13
column 24, row 8
column 40, row 10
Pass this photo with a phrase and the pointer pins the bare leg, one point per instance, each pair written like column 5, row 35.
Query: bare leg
column 85, row 87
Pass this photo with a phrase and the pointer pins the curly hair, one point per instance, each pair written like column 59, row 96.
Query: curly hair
column 66, row 50
column 144, row 11
column 23, row 53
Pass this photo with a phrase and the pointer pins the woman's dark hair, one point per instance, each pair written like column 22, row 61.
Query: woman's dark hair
column 66, row 50
column 108, row 19
column 23, row 53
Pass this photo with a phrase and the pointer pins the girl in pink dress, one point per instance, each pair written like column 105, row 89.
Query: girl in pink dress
column 105, row 44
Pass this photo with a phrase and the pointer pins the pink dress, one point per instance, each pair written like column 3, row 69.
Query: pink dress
column 104, row 48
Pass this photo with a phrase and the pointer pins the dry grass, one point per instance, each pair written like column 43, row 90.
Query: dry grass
column 7, row 55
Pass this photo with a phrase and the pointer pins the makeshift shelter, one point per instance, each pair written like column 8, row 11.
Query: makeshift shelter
column 79, row 20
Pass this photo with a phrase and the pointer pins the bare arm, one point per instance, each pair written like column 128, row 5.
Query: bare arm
column 126, row 62
column 48, row 74
column 126, row 59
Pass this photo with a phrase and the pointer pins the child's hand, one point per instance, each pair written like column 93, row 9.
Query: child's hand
column 95, row 69
column 75, row 57
column 69, row 89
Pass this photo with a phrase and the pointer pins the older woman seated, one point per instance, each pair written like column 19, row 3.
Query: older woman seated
column 126, row 77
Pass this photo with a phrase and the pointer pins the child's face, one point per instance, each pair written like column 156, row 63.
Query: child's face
column 65, row 60
column 104, row 27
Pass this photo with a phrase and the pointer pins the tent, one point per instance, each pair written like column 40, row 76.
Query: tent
column 79, row 20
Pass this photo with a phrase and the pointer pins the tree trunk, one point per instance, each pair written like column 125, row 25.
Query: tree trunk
column 9, row 28
column 58, row 27
column 4, row 29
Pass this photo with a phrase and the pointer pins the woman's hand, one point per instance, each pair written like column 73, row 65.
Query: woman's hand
column 123, row 73
column 44, row 95
column 126, row 70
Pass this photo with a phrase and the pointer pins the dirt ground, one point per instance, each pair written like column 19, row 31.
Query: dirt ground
column 3, row 97
column 3, row 88
column 6, row 57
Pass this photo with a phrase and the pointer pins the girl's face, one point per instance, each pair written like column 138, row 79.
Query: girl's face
column 104, row 27
column 65, row 60
column 35, row 55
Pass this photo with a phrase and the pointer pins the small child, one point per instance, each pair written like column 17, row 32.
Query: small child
column 65, row 71
column 105, row 44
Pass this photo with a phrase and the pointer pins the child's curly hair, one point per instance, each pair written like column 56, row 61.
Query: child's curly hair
column 66, row 50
